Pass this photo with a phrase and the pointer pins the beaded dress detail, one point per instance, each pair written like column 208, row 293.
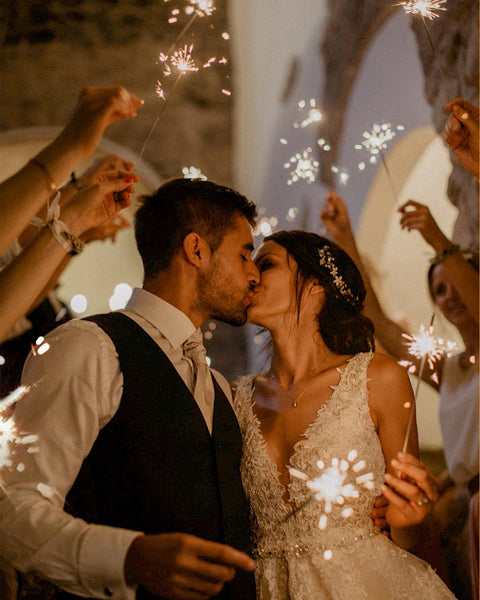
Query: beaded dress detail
column 349, row 558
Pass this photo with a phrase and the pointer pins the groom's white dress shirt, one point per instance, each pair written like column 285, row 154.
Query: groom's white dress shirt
column 76, row 389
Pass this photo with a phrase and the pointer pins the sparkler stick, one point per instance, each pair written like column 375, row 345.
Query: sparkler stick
column 424, row 8
column 375, row 141
column 428, row 349
column 389, row 176
column 183, row 32
column 158, row 117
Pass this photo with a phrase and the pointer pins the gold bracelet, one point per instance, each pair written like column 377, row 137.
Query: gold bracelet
column 52, row 186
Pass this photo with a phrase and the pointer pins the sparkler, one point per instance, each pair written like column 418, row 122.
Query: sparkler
column 9, row 435
column 314, row 115
column 375, row 142
column 306, row 168
column 182, row 61
column 426, row 9
column 428, row 349
column 332, row 486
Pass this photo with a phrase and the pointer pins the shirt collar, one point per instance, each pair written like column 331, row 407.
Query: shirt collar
column 169, row 320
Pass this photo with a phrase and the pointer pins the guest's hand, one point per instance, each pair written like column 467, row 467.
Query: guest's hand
column 461, row 133
column 334, row 215
column 108, row 193
column 418, row 216
column 411, row 493
column 182, row 566
column 97, row 108
column 105, row 231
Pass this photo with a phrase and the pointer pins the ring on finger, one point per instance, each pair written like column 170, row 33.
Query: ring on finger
column 423, row 501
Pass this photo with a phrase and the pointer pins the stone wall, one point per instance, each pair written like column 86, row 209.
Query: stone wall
column 450, row 71
column 52, row 48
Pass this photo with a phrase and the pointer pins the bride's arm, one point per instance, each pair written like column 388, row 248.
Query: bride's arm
column 391, row 403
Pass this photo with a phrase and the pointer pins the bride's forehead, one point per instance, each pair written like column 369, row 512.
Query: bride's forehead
column 269, row 247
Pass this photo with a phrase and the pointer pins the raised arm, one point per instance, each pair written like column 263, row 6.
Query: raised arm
column 461, row 133
column 334, row 215
column 38, row 262
column 460, row 272
column 23, row 194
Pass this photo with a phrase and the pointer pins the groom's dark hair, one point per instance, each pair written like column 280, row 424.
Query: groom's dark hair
column 182, row 206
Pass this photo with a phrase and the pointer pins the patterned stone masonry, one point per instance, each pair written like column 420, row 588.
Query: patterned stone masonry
column 455, row 38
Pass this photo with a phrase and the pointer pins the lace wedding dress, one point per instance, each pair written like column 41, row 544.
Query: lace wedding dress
column 349, row 559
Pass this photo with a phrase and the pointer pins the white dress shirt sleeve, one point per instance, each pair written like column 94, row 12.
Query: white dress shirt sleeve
column 75, row 389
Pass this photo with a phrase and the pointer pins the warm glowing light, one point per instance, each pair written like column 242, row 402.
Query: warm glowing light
column 424, row 344
column 226, row 92
column 376, row 139
column 121, row 295
column 425, row 8
column 9, row 435
column 305, row 167
column 159, row 90
column 203, row 7
column 182, row 59
column 313, row 116
column 291, row 214
column 343, row 175
column 332, row 486
column 225, row 35
column 79, row 304
column 193, row 173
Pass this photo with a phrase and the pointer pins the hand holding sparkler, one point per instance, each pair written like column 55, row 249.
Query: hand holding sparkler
column 418, row 216
column 336, row 219
column 411, row 492
column 461, row 133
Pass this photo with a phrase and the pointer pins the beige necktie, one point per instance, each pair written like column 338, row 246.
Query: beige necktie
column 204, row 392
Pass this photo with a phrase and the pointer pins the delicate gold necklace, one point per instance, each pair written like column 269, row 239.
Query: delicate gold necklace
column 288, row 393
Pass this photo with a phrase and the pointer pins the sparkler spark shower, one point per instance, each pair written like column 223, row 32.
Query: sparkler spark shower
column 331, row 486
column 305, row 167
column 424, row 8
column 425, row 347
column 375, row 142
column 9, row 435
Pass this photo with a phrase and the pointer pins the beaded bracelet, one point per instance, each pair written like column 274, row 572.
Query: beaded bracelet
column 442, row 255
column 52, row 186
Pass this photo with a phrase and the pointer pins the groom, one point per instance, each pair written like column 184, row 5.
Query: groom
column 135, row 430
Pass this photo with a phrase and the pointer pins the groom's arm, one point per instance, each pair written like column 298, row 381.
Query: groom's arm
column 75, row 388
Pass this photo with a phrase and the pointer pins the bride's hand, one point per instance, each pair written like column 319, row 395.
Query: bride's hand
column 411, row 492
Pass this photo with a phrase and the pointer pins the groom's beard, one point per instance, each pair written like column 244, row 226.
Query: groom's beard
column 221, row 297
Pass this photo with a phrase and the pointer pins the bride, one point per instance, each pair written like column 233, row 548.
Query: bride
column 327, row 397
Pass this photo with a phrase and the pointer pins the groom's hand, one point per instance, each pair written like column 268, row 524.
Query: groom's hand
column 181, row 566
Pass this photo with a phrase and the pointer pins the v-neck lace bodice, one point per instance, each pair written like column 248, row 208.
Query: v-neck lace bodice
column 291, row 559
column 325, row 438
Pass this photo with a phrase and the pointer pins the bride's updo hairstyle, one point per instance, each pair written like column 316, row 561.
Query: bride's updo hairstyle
column 340, row 322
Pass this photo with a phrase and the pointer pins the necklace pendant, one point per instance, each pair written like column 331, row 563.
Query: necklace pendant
column 294, row 403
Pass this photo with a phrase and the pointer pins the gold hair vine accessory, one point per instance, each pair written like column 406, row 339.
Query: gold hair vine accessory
column 327, row 261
